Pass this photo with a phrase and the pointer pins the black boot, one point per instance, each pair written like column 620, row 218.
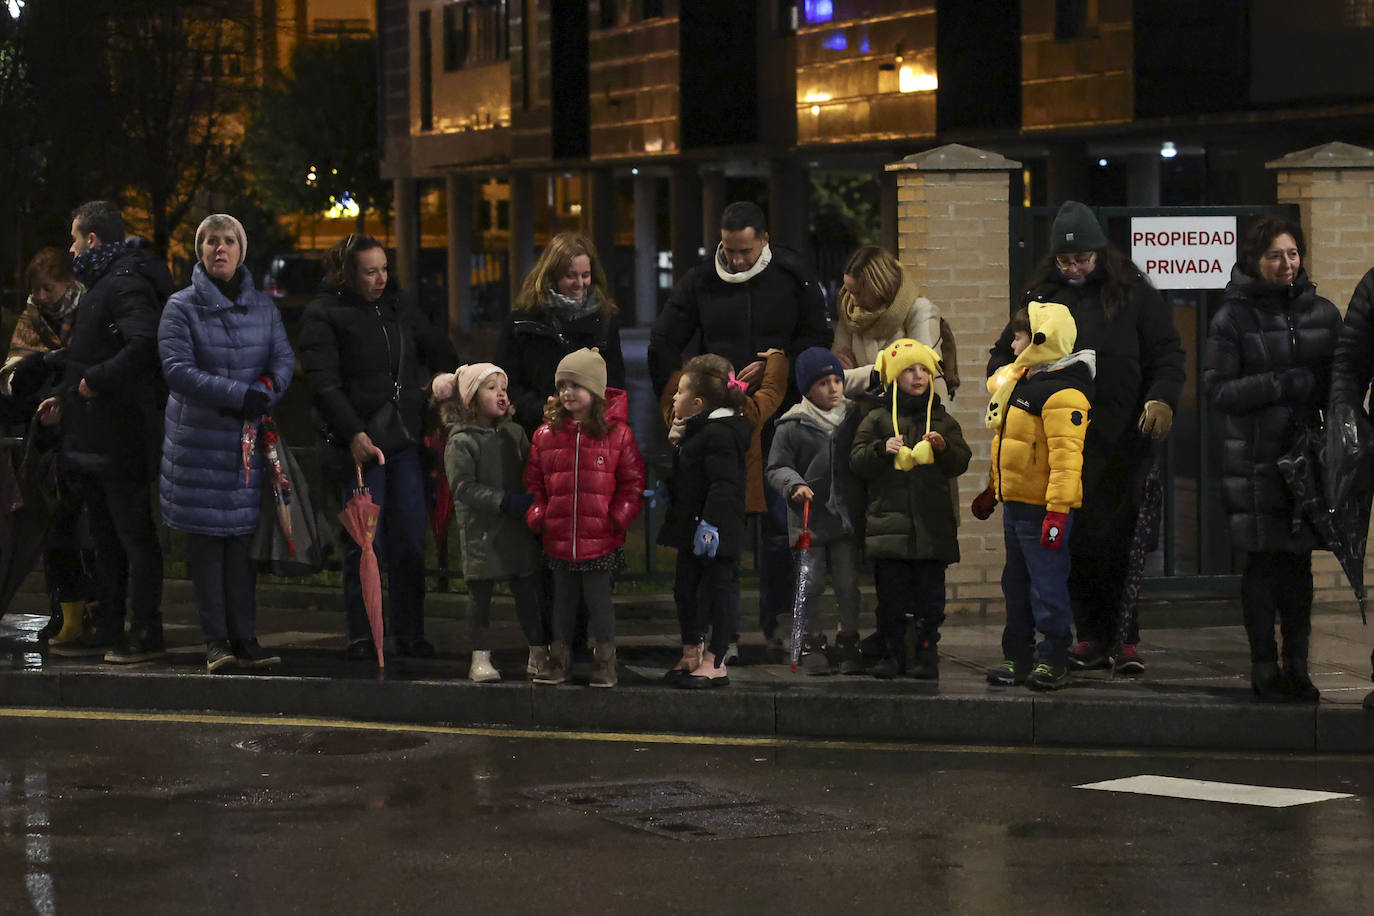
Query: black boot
column 1265, row 681
column 893, row 661
column 925, row 666
column 1295, row 681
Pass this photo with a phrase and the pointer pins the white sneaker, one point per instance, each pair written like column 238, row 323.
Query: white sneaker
column 481, row 670
column 732, row 653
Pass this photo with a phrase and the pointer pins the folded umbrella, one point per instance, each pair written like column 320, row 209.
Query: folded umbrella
column 1349, row 489
column 281, row 483
column 806, row 567
column 1147, row 523
column 359, row 519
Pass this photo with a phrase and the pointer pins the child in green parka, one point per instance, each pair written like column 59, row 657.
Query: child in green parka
column 907, row 455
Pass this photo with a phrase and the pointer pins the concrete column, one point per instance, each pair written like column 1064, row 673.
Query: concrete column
column 1142, row 180
column 521, row 229
column 598, row 211
column 789, row 203
column 1333, row 187
column 646, row 249
column 458, row 197
column 713, row 204
column 407, row 216
column 953, row 223
column 685, row 199
column 1066, row 173
column 887, row 211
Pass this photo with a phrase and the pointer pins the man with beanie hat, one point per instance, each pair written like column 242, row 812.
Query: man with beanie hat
column 907, row 457
column 1138, row 383
column 808, row 465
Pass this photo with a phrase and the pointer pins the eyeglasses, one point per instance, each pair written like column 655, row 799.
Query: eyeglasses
column 1084, row 259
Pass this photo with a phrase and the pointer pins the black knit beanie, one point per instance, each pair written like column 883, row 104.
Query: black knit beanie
column 1076, row 229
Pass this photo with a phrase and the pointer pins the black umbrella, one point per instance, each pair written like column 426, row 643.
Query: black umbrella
column 1143, row 539
column 1349, row 489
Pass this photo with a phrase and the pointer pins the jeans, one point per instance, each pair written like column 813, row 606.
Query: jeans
column 1035, row 584
column 915, row 587
column 837, row 561
column 225, row 580
column 1277, row 584
column 706, row 591
column 595, row 588
column 527, row 609
column 398, row 487
column 120, row 514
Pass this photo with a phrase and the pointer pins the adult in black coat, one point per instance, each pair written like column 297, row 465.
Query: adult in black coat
column 1268, row 371
column 563, row 306
column 749, row 298
column 1139, row 380
column 370, row 358
column 107, row 402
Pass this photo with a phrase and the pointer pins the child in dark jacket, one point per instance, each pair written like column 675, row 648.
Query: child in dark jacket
column 705, row 519
column 586, row 479
column 1039, row 414
column 908, row 456
column 485, row 461
column 809, row 465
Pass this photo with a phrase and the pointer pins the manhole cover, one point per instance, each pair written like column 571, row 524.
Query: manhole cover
column 685, row 810
column 731, row 822
column 331, row 743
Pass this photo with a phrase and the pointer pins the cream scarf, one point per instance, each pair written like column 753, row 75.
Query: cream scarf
column 723, row 267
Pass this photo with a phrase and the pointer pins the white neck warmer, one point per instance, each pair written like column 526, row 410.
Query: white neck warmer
column 827, row 419
column 723, row 268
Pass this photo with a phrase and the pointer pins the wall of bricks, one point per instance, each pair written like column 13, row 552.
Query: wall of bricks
column 952, row 229
column 1333, row 186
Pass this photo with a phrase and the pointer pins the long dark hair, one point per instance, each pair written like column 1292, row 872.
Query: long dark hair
column 341, row 261
column 1120, row 272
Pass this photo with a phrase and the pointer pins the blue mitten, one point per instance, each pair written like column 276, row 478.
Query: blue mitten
column 707, row 539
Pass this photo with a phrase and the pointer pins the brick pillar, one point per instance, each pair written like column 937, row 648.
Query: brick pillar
column 1333, row 186
column 953, row 235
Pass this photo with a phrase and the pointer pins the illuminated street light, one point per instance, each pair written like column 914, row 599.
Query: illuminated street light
column 1168, row 150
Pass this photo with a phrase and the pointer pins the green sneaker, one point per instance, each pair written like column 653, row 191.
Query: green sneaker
column 1047, row 677
column 1009, row 673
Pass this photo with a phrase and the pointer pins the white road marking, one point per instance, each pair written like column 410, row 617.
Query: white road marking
column 1201, row 790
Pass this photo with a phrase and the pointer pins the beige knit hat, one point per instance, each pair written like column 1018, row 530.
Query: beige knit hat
column 222, row 221
column 584, row 367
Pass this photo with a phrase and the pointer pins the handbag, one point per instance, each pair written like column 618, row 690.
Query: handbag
column 307, row 550
column 387, row 426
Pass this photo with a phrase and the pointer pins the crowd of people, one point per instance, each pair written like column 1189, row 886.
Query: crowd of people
column 839, row 439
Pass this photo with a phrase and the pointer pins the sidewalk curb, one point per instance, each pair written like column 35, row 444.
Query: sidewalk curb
column 900, row 712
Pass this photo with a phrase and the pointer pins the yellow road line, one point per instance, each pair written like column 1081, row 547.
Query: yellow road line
column 176, row 718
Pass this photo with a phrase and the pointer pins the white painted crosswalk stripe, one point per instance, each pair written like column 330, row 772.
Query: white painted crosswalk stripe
column 1203, row 790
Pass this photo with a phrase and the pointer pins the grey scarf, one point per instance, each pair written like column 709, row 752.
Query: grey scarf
column 565, row 308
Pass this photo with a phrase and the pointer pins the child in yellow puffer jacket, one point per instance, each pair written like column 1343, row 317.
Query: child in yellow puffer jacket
column 1039, row 412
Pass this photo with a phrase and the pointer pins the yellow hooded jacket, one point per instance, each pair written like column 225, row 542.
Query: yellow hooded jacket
column 1040, row 415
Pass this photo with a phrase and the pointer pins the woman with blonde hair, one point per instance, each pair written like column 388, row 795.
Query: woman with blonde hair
column 878, row 304
column 563, row 306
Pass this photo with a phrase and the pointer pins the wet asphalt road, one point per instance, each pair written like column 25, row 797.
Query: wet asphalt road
column 153, row 814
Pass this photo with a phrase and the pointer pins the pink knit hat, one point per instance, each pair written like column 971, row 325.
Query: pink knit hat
column 471, row 377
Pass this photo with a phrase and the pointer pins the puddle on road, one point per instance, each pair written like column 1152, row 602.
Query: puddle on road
column 331, row 743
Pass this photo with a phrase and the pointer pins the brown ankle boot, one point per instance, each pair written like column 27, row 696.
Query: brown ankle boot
column 604, row 675
column 555, row 668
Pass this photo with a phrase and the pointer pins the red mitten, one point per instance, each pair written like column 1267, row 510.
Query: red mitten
column 1053, row 530
column 984, row 504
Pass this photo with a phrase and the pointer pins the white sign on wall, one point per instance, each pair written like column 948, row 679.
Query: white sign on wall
column 1184, row 252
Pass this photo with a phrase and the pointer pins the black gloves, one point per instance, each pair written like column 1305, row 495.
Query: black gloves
column 255, row 403
column 1297, row 384
column 516, row 503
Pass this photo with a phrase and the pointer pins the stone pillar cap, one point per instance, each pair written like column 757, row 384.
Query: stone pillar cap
column 1327, row 156
column 955, row 157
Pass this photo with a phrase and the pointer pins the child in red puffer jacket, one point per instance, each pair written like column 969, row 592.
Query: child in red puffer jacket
column 587, row 480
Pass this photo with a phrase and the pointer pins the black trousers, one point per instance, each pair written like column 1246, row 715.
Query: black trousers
column 706, row 592
column 528, row 609
column 915, row 587
column 129, row 558
column 225, row 580
column 1277, row 585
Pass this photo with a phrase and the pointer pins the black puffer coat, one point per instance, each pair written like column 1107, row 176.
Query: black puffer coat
column 534, row 341
column 1268, row 370
column 350, row 350
column 708, row 483
column 1353, row 367
column 113, row 346
column 781, row 306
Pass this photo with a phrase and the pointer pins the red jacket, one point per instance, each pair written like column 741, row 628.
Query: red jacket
column 586, row 491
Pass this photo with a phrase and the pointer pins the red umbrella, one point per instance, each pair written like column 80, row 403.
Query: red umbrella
column 359, row 519
column 441, row 513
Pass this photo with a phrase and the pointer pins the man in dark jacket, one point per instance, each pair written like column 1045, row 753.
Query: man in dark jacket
column 106, row 400
column 748, row 298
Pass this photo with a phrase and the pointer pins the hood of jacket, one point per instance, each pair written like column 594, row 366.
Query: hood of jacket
column 1260, row 293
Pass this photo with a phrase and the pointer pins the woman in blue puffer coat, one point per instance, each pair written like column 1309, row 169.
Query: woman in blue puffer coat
column 221, row 342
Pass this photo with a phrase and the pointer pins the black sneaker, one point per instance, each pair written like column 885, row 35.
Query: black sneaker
column 873, row 645
column 419, row 647
column 1048, row 677
column 1089, row 656
column 885, row 668
column 52, row 627
column 1009, row 673
column 813, row 659
column 361, row 650
column 926, row 665
column 217, row 654
column 252, row 655
column 137, row 647
column 847, row 648
column 91, row 644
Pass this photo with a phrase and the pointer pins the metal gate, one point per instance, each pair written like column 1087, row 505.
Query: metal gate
column 1194, row 553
